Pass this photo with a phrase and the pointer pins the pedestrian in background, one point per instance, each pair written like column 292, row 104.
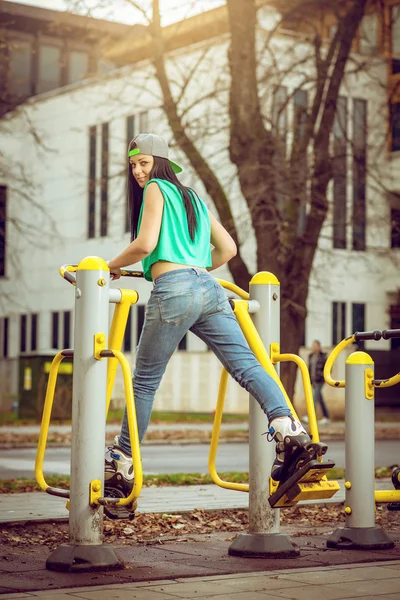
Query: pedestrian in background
column 316, row 364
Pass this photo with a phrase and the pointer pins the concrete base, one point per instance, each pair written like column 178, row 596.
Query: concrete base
column 72, row 559
column 360, row 538
column 264, row 545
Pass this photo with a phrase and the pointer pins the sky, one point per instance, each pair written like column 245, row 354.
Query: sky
column 123, row 12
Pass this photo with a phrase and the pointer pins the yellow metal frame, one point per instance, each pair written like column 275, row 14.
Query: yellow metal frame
column 133, row 435
column 44, row 429
column 305, row 375
column 331, row 359
column 381, row 383
column 370, row 384
column 212, row 456
column 385, row 383
column 115, row 356
column 387, row 495
column 321, row 488
column 234, row 288
column 116, row 336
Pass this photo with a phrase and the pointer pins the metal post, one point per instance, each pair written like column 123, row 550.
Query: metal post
column 85, row 550
column 263, row 539
column 360, row 530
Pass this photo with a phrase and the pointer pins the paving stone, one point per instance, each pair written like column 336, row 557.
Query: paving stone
column 342, row 575
column 123, row 594
column 231, row 586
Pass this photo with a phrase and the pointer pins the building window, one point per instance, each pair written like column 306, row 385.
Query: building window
column 358, row 320
column 369, row 34
column 395, row 324
column 128, row 333
column 395, row 228
column 183, row 343
column 130, row 129
column 22, row 333
column 300, row 124
column 130, row 134
column 54, row 329
column 20, row 61
column 338, row 322
column 49, row 68
column 78, row 66
column 143, row 122
column 92, row 181
column 395, row 126
column 34, row 331
column 3, row 229
column 4, row 337
column 67, row 329
column 141, row 309
column 104, row 181
column 359, row 172
column 395, row 39
column 279, row 115
column 340, row 174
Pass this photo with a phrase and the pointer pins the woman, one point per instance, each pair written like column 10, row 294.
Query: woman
column 171, row 231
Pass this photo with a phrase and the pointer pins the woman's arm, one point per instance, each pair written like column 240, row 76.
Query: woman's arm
column 224, row 246
column 149, row 232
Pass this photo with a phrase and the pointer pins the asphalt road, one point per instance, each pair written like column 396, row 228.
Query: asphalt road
column 176, row 459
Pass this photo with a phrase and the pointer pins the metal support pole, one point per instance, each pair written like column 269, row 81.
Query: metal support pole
column 360, row 530
column 85, row 550
column 263, row 539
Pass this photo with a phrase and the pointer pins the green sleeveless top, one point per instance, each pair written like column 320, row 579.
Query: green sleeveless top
column 174, row 243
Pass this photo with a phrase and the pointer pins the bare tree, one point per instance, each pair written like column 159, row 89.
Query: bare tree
column 285, row 189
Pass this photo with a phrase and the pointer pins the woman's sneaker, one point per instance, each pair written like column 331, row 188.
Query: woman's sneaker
column 294, row 447
column 118, row 480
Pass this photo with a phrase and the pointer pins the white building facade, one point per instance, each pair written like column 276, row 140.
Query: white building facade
column 64, row 193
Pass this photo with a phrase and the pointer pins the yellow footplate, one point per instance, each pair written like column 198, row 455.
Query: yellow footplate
column 310, row 484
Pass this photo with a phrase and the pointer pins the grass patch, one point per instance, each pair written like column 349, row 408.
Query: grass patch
column 116, row 416
column 182, row 417
column 9, row 486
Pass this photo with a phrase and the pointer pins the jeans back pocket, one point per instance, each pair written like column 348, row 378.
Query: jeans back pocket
column 175, row 304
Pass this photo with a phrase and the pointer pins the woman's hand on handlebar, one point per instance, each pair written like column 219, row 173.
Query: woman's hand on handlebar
column 115, row 273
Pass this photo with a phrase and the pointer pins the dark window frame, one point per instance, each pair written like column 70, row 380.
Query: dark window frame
column 359, row 217
column 105, row 132
column 22, row 333
column 34, row 331
column 128, row 332
column 50, row 43
column 92, row 182
column 339, row 174
column 338, row 330
column 67, row 329
column 5, row 336
column 358, row 310
column 395, row 227
column 130, row 134
column 55, row 319
column 3, row 230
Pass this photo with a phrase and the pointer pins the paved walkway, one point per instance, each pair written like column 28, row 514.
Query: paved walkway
column 39, row 506
column 201, row 577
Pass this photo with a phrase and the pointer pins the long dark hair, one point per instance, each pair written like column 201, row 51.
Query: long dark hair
column 161, row 170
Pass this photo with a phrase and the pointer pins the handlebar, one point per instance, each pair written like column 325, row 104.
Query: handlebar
column 386, row 334
column 66, row 271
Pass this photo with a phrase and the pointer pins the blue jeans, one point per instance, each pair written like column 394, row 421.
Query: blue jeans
column 191, row 299
column 318, row 398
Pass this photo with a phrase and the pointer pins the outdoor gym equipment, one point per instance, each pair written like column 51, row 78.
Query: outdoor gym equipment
column 92, row 387
column 360, row 530
column 310, row 483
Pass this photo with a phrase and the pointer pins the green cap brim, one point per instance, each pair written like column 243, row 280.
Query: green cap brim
column 175, row 167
